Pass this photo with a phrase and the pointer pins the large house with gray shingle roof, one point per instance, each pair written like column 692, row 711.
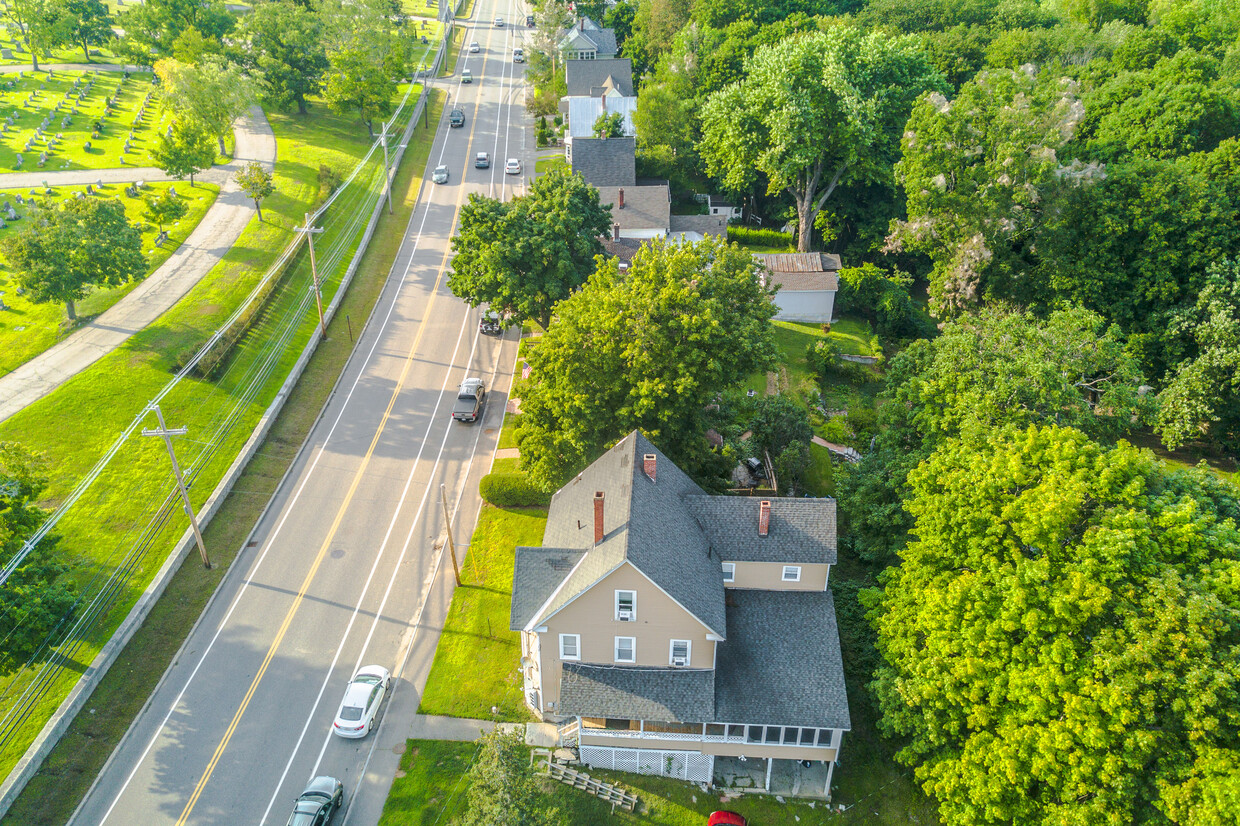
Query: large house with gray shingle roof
column 668, row 629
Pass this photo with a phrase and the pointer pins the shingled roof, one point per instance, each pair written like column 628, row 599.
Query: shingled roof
column 673, row 695
column 603, row 40
column 591, row 77
column 781, row 663
column 801, row 270
column 606, row 161
column 536, row 575
column 800, row 530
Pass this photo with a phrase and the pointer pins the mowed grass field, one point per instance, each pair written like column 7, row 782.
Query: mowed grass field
column 73, row 426
column 26, row 328
column 32, row 98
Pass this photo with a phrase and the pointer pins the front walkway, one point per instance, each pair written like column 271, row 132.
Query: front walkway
column 214, row 236
column 463, row 729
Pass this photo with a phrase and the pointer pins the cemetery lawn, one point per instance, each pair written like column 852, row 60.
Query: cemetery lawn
column 74, row 425
column 29, row 100
column 27, row 329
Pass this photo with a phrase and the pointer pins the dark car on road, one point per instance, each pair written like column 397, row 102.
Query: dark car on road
column 469, row 399
column 456, row 118
column 529, row 20
column 316, row 805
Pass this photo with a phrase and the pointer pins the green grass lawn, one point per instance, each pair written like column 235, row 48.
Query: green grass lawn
column 75, row 120
column 56, row 789
column 431, row 788
column 508, row 435
column 544, row 165
column 821, row 480
column 26, row 328
column 477, row 661
column 73, row 426
column 453, row 51
column 791, row 337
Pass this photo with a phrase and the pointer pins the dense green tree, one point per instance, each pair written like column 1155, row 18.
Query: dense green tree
column 89, row 24
column 40, row 24
column 813, row 112
column 209, row 95
column 503, row 787
column 285, row 45
column 647, row 349
column 1059, row 640
column 257, row 183
column 976, row 172
column 525, row 255
column 186, row 152
column 164, row 208
column 657, row 22
column 609, row 126
column 38, row 596
column 69, row 248
column 881, row 297
column 776, row 422
column 358, row 83
column 368, row 48
column 1202, row 398
column 153, row 27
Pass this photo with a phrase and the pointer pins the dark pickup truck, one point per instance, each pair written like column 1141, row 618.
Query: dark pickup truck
column 456, row 118
column 469, row 400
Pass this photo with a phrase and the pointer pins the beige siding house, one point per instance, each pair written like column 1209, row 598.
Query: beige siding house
column 669, row 631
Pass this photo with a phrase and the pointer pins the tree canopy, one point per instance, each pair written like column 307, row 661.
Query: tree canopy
column 285, row 42
column 502, row 785
column 209, row 94
column 186, row 152
column 812, row 112
column 650, row 349
column 525, row 255
column 257, row 183
column 1059, row 640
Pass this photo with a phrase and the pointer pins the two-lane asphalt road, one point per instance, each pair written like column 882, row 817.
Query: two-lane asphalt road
column 347, row 566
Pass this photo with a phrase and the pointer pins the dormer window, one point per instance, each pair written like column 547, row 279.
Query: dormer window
column 792, row 573
column 729, row 572
column 626, row 606
column 679, row 655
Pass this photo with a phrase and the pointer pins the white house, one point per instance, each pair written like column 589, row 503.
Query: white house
column 807, row 284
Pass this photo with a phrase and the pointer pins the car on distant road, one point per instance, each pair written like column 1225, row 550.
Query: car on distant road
column 482, row 160
column 361, row 701
column 491, row 324
column 316, row 805
column 470, row 397
column 518, row 55
column 456, row 118
column 513, row 167
column 440, row 175
column 474, row 48
column 467, row 76
column 499, row 22
column 529, row 20
column 726, row 819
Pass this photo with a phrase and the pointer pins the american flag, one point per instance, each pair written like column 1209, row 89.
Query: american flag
column 525, row 370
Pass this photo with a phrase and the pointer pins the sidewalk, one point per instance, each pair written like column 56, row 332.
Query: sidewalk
column 214, row 236
column 431, row 727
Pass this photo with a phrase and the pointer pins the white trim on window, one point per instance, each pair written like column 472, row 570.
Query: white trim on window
column 570, row 646
column 629, row 646
column 729, row 572
column 792, row 573
column 682, row 658
column 626, row 606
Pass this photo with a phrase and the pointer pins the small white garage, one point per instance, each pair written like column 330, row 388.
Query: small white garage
column 807, row 284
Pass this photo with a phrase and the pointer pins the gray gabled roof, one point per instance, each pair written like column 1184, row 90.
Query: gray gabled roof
column 536, row 574
column 606, row 161
column 800, row 531
column 781, row 663
column 586, row 77
column 603, row 40
column 674, row 695
column 645, row 207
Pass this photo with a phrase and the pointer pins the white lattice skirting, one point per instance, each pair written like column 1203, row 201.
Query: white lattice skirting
column 683, row 765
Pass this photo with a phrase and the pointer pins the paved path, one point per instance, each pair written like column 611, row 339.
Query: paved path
column 214, row 236
column 433, row 727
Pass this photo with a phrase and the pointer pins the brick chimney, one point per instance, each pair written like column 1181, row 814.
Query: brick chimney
column 621, row 197
column 615, row 232
column 648, row 462
column 764, row 516
column 598, row 517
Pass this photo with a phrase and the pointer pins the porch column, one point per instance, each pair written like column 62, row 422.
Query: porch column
column 770, row 761
column 830, row 771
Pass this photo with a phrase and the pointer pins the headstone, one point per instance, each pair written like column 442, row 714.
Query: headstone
column 99, row 183
column 12, row 214
column 18, row 196
column 79, row 195
column 172, row 190
column 42, row 158
column 7, row 54
column 86, row 146
column 19, row 163
column 90, row 190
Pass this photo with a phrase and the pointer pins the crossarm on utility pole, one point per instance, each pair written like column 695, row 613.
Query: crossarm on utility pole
column 166, row 433
column 310, row 232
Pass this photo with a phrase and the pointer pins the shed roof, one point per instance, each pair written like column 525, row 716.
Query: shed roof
column 674, row 695
column 796, row 271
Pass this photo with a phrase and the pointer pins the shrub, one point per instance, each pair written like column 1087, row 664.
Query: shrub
column 754, row 237
column 512, row 490
column 329, row 179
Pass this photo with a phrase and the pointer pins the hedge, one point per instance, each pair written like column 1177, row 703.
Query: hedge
column 512, row 490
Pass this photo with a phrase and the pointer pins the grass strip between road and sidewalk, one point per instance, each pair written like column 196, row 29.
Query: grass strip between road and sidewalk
column 55, row 791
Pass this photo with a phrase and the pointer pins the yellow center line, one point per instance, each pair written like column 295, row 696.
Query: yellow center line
column 331, row 534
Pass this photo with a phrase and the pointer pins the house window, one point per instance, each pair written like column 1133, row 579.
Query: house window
column 626, row 606
column 772, row 734
column 729, row 572
column 626, row 649
column 792, row 573
column 754, row 735
column 807, row 736
column 825, row 737
column 680, row 652
column 570, row 646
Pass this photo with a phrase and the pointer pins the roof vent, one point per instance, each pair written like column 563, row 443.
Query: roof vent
column 649, row 461
column 598, row 517
column 764, row 516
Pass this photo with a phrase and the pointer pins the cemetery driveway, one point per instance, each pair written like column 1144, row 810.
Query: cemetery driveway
column 211, row 239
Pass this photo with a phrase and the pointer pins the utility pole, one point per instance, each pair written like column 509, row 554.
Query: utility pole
column 447, row 521
column 314, row 269
column 167, row 434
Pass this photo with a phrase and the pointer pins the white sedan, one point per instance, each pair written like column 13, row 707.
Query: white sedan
column 513, row 167
column 361, row 701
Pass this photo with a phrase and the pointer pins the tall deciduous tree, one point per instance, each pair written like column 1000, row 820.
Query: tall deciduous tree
column 503, row 787
column 650, row 348
column 525, row 255
column 1059, row 641
column 813, row 112
column 186, row 152
column 41, row 24
column 286, row 46
column 72, row 247
column 38, row 596
column 210, row 94
column 257, row 183
column 153, row 27
column 89, row 24
column 164, row 208
column 367, row 47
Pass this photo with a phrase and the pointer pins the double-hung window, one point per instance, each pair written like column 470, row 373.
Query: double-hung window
column 679, row 654
column 792, row 573
column 729, row 572
column 626, row 649
column 626, row 606
column 570, row 646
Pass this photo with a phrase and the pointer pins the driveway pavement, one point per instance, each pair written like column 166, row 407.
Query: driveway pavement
column 215, row 235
